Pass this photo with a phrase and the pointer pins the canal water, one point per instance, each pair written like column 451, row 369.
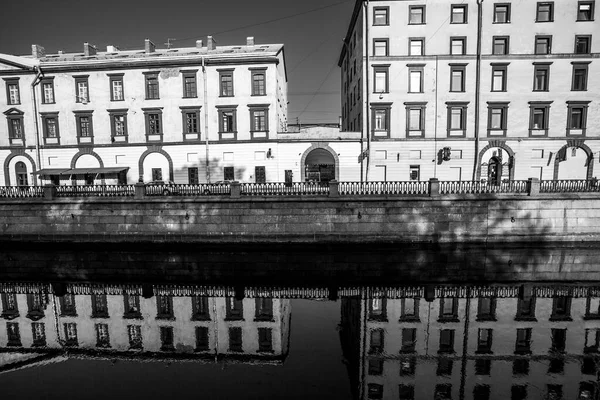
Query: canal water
column 298, row 322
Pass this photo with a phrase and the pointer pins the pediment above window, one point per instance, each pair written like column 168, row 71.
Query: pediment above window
column 13, row 111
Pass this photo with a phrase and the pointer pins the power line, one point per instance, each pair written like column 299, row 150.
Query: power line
column 319, row 88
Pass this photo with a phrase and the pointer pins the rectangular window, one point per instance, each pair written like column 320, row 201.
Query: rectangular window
column 583, row 44
column 67, row 306
column 263, row 309
column 377, row 309
column 481, row 392
column 443, row 391
column 260, row 175
column 545, row 12
column 484, row 341
column 592, row 308
column 483, row 366
column 381, row 15
column 116, row 87
column 228, row 174
column 408, row 366
column 502, row 13
column 561, row 309
column 154, row 127
column 410, row 309
column 407, row 392
column 200, row 308
column 131, row 306
column 166, row 338
column 499, row 77
column 416, row 46
column 415, row 119
column 446, row 341
column 134, row 332
column 164, row 307
column 102, row 337
column 70, row 330
column 538, row 120
column 82, row 94
column 190, row 89
column 13, row 95
column 543, row 44
column 444, row 366
column 518, row 392
column 580, row 73
column 380, row 47
column 265, row 340
column 559, row 339
column 258, row 83
column 554, row 392
column 47, row 87
column 118, row 125
column 374, row 391
column 526, row 309
column 152, row 85
column 15, row 127
column 99, row 306
column 458, row 45
column 585, row 11
column 523, row 343
column 415, row 79
column 457, row 119
column 193, row 175
column 157, row 174
column 541, row 77
column 227, row 123
column 13, row 333
column 201, row 338
column 38, row 331
column 259, row 120
column 500, row 45
column 457, row 78
column 416, row 15
column 592, row 340
column 375, row 366
column 226, row 83
column 520, row 366
column 85, row 129
column 414, row 172
column 381, row 121
column 235, row 339
column 448, row 309
column 409, row 339
column 486, row 309
column 191, row 122
column 458, row 14
column 576, row 117
column 381, row 79
column 497, row 119
column 376, row 341
column 235, row 308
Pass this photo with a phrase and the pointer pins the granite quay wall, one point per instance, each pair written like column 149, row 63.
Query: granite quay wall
column 382, row 218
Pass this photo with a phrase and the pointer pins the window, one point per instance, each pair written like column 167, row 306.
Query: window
column 70, row 330
column 500, row 45
column 592, row 340
column 497, row 119
column 190, row 120
column 375, row 366
column 67, row 306
column 135, row 336
column 592, row 308
column 226, row 82
column 502, row 13
column 415, row 78
column 381, row 121
column 410, row 309
column 166, row 338
column 499, row 77
column 483, row 366
column 554, row 392
column 407, row 392
column 481, row 392
column 458, row 14
column 561, row 309
column 518, row 392
column 200, row 310
column 259, row 120
column 164, row 307
column 414, row 172
column 235, row 339
column 235, row 308
column 580, row 73
column 14, row 336
column 85, row 128
column 374, row 391
column 227, row 122
column 556, row 366
column 258, row 82
column 102, row 338
column 486, row 309
column 154, row 127
column 381, row 78
column 409, row 339
column 131, row 306
column 260, row 175
column 526, row 309
column 190, row 89
column 381, row 15
column 99, row 306
column 228, row 174
column 587, row 390
column 541, row 77
column 415, row 119
column 21, row 174
column 35, row 303
column 380, row 47
column 443, row 391
column 520, row 366
column 539, row 113
column 13, row 95
column 118, row 125
column 408, row 366
column 545, row 12
column 458, row 45
column 444, row 366
column 446, row 341
column 38, row 332
column 201, row 338
column 576, row 117
column 416, row 15
column 265, row 340
column 16, row 131
column 82, row 93
column 543, row 44
column 47, row 87
column 416, row 47
column 152, row 85
column 457, row 118
column 116, row 87
column 263, row 309
column 583, row 44
column 157, row 174
column 559, row 338
column 377, row 309
column 376, row 341
column 585, row 11
column 523, row 343
column 448, row 309
column 484, row 341
column 457, row 78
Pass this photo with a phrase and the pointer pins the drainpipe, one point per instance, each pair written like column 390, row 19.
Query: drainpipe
column 435, row 120
column 477, row 86
column 34, row 83
column 206, row 122
column 368, row 71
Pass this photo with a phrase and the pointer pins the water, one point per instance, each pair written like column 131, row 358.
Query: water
column 331, row 322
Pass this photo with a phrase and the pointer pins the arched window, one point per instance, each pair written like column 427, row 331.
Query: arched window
column 21, row 173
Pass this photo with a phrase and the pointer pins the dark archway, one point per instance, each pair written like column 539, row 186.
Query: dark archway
column 320, row 163
column 561, row 156
column 509, row 163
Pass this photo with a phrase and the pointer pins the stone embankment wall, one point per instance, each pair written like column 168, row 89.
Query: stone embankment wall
column 556, row 217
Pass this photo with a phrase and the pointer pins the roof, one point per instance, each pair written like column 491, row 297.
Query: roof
column 75, row 171
column 17, row 61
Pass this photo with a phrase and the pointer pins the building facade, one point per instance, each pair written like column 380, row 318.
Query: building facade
column 189, row 115
column 483, row 90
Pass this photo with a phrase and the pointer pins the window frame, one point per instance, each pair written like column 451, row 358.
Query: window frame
column 580, row 66
column 410, row 106
column 164, row 308
column 15, row 115
column 386, row 42
column 82, row 79
column 416, row 39
column 444, row 317
column 254, row 72
column 503, row 68
column 190, row 135
column 89, row 138
column 236, row 339
column 382, row 68
column 549, row 44
column 254, row 132
column 377, row 315
column 465, row 8
column 523, row 346
column 485, row 346
column 583, row 106
column 463, row 40
column 47, row 80
column 533, row 105
column 453, row 105
column 386, row 9
column 386, row 108
column 70, row 340
column 506, row 44
column 481, row 315
column 591, row 4
column 226, row 86
column 189, row 73
column 503, row 106
column 127, row 313
column 14, row 337
column 462, row 68
column 46, row 117
column 99, row 305
column 420, row 68
column 537, row 67
column 103, row 342
column 38, row 334
column 230, row 134
column 447, row 348
column 496, row 6
column 116, row 78
column 265, row 340
column 415, row 313
column 588, row 39
column 12, row 82
column 113, row 114
column 167, row 338
column 153, row 136
column 152, row 85
column 550, row 12
column 423, row 9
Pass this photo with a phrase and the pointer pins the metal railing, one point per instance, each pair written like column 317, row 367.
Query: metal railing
column 284, row 189
column 201, row 189
column 384, row 188
column 21, row 191
column 95, row 190
column 478, row 187
column 570, row 186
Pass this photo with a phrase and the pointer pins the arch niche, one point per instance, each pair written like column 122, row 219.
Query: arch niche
column 155, row 159
column 10, row 168
column 574, row 160
column 319, row 162
column 496, row 163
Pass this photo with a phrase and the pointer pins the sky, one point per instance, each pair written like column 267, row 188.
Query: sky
column 311, row 30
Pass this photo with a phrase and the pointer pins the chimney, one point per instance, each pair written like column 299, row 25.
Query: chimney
column 112, row 49
column 211, row 43
column 60, row 53
column 250, row 41
column 199, row 44
column 149, row 46
column 38, row 51
column 89, row 49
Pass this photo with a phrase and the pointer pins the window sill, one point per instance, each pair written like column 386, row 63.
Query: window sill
column 409, row 319
column 234, row 319
column 167, row 348
column 500, row 23
column 10, row 315
column 407, row 351
column 485, row 351
column 153, row 98
column 528, row 319
column 39, row 344
column 556, row 319
column 542, row 22
column 270, row 351
column 236, row 350
column 264, row 319
column 165, row 317
column 117, row 100
column 200, row 317
column 35, row 315
column 201, row 349
column 132, row 316
column 68, row 314
column 100, row 316
column 119, row 139
column 584, row 20
column 446, row 320
column 485, row 319
column 522, row 352
column 258, row 95
column 591, row 317
column 190, row 97
column 446, row 351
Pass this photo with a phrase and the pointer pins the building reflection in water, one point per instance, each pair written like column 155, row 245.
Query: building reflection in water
column 473, row 342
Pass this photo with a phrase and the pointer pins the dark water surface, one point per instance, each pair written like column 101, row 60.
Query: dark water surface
column 330, row 322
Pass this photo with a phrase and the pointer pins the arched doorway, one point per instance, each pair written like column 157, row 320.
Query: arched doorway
column 496, row 164
column 573, row 163
column 21, row 174
column 319, row 166
column 156, row 167
column 86, row 178
column 494, row 174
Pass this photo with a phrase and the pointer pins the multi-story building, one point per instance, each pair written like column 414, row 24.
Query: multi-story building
column 473, row 342
column 473, row 89
column 200, row 114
